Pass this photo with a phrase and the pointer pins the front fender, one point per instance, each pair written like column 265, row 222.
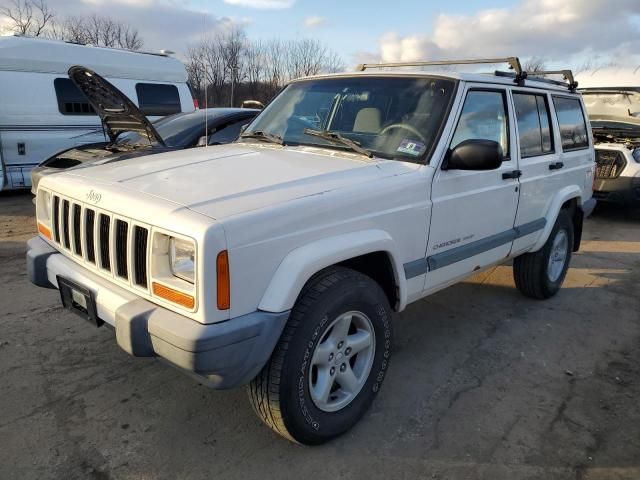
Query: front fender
column 302, row 263
column 567, row 193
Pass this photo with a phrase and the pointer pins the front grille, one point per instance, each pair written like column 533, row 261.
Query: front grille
column 105, row 251
column 77, row 242
column 89, row 226
column 609, row 163
column 65, row 223
column 141, row 237
column 92, row 235
column 122, row 228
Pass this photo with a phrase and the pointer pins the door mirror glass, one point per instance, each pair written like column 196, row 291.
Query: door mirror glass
column 475, row 155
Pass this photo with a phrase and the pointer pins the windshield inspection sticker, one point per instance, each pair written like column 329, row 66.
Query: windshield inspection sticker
column 412, row 147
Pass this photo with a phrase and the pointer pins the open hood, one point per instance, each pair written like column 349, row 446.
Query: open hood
column 117, row 112
column 614, row 112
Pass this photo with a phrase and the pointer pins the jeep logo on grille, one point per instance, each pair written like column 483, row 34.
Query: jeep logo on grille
column 93, row 197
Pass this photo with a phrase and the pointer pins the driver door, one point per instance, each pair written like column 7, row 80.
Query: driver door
column 473, row 212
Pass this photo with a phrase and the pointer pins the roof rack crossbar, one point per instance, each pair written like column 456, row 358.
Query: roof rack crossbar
column 567, row 74
column 514, row 64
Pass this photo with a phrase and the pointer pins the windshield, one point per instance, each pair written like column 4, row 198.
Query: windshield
column 396, row 118
column 176, row 130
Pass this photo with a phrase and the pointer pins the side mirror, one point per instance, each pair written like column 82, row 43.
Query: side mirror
column 243, row 128
column 202, row 141
column 475, row 155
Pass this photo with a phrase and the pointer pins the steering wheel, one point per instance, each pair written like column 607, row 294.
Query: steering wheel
column 403, row 126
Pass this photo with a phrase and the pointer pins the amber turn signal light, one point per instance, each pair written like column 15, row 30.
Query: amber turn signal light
column 173, row 296
column 44, row 230
column 222, row 269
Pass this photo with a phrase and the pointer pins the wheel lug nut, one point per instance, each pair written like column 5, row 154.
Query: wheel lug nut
column 333, row 370
column 330, row 356
column 343, row 367
column 347, row 351
column 340, row 344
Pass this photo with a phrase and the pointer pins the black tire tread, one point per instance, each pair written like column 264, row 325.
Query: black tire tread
column 264, row 391
column 529, row 269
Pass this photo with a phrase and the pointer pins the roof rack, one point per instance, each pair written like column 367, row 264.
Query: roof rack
column 567, row 74
column 513, row 62
column 519, row 74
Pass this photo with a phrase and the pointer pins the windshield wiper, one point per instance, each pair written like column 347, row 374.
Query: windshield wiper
column 267, row 137
column 336, row 138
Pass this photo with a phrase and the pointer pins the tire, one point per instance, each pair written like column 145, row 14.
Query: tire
column 288, row 395
column 535, row 275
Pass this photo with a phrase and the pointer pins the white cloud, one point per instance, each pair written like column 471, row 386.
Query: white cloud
column 546, row 28
column 314, row 21
column 162, row 24
column 262, row 4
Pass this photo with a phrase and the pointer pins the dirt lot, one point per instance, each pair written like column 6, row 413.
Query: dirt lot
column 483, row 384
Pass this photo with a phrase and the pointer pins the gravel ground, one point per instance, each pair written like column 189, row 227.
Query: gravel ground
column 484, row 383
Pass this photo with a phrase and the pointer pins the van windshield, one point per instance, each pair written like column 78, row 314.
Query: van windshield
column 390, row 117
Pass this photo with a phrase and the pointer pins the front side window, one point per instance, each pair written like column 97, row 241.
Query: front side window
column 156, row 99
column 71, row 101
column 395, row 118
column 532, row 115
column 573, row 126
column 483, row 117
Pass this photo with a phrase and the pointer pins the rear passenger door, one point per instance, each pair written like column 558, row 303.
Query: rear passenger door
column 554, row 152
column 539, row 164
column 473, row 211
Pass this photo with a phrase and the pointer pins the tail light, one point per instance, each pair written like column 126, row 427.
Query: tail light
column 196, row 104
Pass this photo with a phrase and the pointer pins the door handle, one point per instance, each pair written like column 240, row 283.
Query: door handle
column 556, row 166
column 512, row 174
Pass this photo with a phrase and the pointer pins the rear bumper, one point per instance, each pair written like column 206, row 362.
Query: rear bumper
column 221, row 355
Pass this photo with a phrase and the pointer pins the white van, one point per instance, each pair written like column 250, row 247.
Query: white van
column 43, row 112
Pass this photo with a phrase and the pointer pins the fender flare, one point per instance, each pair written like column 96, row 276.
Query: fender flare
column 567, row 193
column 302, row 263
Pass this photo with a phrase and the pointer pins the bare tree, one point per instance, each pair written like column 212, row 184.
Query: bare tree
column 228, row 66
column 29, row 17
column 97, row 30
column 534, row 64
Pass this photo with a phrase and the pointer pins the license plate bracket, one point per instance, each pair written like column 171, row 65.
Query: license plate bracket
column 79, row 300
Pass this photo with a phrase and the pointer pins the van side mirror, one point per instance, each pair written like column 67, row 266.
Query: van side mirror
column 474, row 155
column 243, row 128
column 202, row 141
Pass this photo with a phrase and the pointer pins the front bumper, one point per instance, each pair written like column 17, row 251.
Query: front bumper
column 221, row 355
column 622, row 190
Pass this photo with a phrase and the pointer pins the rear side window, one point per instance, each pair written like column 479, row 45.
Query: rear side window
column 227, row 133
column 71, row 101
column 483, row 117
column 532, row 115
column 157, row 99
column 573, row 126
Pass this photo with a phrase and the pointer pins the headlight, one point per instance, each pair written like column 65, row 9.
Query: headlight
column 44, row 207
column 182, row 258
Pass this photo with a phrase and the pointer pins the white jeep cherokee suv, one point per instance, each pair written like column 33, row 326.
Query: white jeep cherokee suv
column 277, row 261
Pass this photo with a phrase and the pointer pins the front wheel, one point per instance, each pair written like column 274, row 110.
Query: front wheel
column 330, row 361
column 541, row 274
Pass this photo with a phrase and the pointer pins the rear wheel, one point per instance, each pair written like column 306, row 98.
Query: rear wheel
column 330, row 361
column 541, row 274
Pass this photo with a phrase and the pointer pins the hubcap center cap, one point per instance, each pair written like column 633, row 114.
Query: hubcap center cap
column 339, row 357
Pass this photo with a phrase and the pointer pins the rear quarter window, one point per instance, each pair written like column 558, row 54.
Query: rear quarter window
column 156, row 99
column 71, row 101
column 573, row 126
